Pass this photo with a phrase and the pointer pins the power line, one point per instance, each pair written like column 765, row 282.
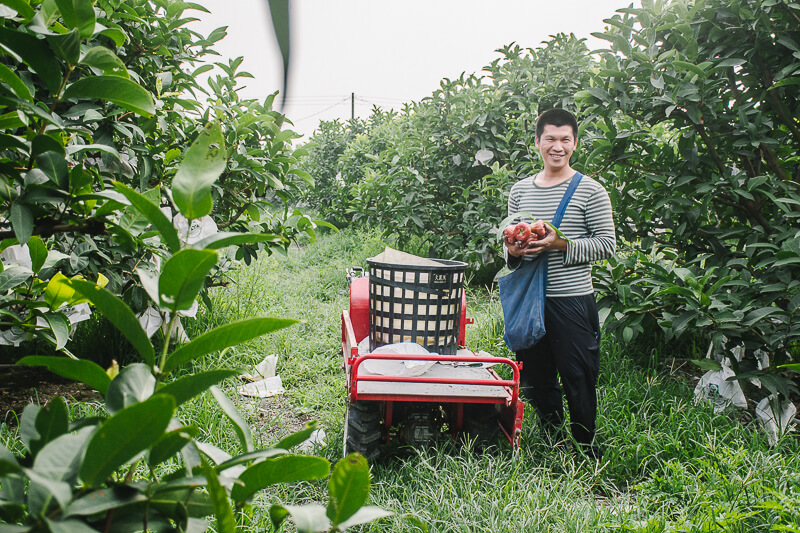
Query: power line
column 346, row 98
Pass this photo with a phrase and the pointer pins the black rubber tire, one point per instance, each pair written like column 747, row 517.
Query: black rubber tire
column 363, row 431
column 480, row 423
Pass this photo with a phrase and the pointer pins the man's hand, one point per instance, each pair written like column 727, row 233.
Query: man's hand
column 551, row 241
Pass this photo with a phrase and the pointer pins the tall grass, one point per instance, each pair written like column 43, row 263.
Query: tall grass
column 669, row 464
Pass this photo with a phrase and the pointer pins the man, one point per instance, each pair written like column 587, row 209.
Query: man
column 571, row 346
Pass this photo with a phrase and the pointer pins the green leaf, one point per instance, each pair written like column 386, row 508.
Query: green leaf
column 754, row 316
column 684, row 66
column 67, row 46
column 187, row 387
column 348, row 488
column 153, row 214
column 182, row 277
column 16, row 85
column 239, row 423
column 22, row 8
column 105, row 499
column 13, row 277
column 226, row 523
column 134, row 384
column 119, row 314
column 75, row 148
column 8, row 462
column 115, row 34
column 78, row 14
column 59, row 292
column 55, row 167
column 170, row 444
column 707, row 364
column 50, row 422
column 250, row 458
column 81, row 370
column 731, row 62
column 124, row 435
column 202, row 165
column 121, row 91
column 35, row 53
column 106, row 61
column 298, row 437
column 60, row 458
column 224, row 239
column 184, row 502
column 59, row 325
column 303, row 174
column 43, row 492
column 285, row 469
column 45, row 143
column 794, row 367
column 308, row 518
column 21, row 221
column 224, row 337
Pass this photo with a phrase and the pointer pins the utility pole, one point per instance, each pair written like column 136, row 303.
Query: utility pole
column 352, row 106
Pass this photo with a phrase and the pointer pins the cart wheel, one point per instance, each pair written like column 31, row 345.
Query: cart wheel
column 481, row 423
column 362, row 429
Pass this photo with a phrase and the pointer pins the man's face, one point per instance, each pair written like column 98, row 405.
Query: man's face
column 556, row 145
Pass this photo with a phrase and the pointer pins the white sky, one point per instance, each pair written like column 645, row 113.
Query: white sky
column 385, row 51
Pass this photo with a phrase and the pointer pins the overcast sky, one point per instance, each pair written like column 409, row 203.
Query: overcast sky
column 387, row 52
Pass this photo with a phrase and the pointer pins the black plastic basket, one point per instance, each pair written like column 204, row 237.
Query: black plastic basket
column 421, row 304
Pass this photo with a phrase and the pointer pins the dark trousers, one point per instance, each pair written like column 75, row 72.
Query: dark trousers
column 570, row 350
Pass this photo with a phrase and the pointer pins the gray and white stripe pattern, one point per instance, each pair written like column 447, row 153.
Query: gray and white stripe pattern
column 587, row 222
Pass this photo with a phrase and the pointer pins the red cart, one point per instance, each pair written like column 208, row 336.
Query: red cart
column 458, row 393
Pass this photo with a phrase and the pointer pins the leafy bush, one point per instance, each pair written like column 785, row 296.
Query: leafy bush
column 99, row 100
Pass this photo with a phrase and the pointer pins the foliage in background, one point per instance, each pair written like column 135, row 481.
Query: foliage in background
column 440, row 169
column 690, row 119
column 696, row 109
column 102, row 98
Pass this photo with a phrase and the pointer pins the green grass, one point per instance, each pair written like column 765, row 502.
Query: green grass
column 669, row 465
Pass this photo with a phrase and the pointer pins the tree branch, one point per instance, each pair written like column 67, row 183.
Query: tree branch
column 47, row 229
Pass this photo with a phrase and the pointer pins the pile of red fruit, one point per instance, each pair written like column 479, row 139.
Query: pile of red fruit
column 524, row 233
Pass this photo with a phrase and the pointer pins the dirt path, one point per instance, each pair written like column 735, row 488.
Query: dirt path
column 21, row 385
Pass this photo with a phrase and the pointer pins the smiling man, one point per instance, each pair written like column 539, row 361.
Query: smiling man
column 570, row 348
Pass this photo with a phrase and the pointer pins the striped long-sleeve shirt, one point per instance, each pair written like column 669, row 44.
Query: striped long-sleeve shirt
column 587, row 222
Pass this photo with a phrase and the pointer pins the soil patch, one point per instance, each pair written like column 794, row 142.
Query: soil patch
column 277, row 418
column 21, row 385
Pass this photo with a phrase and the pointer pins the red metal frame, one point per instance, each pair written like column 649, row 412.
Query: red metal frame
column 355, row 324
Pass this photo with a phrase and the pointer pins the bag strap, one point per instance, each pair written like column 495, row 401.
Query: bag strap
column 576, row 179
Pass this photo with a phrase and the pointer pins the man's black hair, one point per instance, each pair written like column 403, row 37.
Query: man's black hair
column 556, row 117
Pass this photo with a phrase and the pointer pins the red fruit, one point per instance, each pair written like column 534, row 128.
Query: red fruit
column 538, row 228
column 522, row 231
column 509, row 234
column 510, row 240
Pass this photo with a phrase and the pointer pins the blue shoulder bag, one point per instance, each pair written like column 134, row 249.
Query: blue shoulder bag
column 523, row 291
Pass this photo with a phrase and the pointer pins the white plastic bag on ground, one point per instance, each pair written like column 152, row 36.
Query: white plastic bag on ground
column 775, row 423
column 150, row 320
column 714, row 386
column 13, row 336
column 264, row 369
column 317, row 438
column 263, row 388
column 200, row 228
column 77, row 313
